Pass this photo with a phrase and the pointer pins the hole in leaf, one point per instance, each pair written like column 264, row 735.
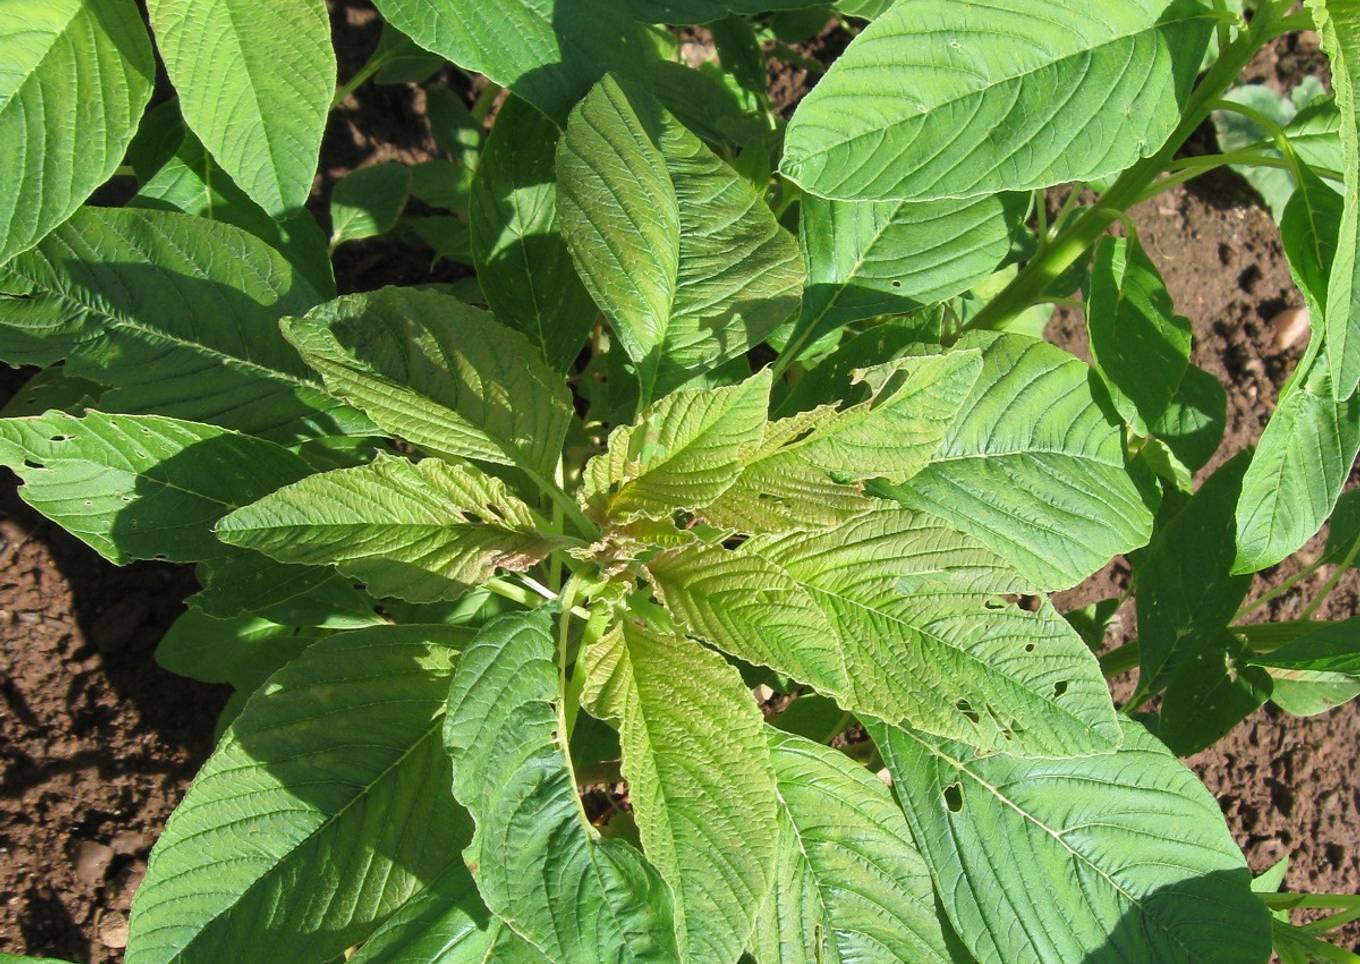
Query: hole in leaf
column 1059, row 688
column 1029, row 647
column 58, row 439
column 33, row 465
column 966, row 708
column 897, row 284
column 953, row 797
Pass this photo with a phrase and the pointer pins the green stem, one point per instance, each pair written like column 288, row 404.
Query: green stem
column 1121, row 659
column 485, row 100
column 1294, row 901
column 1030, row 285
column 374, row 65
column 1332, row 581
column 564, row 502
column 568, row 707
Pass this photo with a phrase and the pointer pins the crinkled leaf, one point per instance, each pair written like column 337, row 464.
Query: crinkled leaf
column 141, row 486
column 539, row 866
column 367, row 202
column 548, row 52
column 939, row 99
column 255, row 83
column 683, row 452
column 888, row 257
column 75, row 76
column 324, row 808
column 678, row 249
column 420, row 531
column 704, row 804
column 849, row 883
column 1140, row 346
column 1129, row 844
column 806, row 471
column 440, row 374
column 178, row 314
column 523, row 265
column 1033, row 468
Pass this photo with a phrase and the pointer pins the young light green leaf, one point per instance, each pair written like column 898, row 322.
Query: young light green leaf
column 367, row 202
column 1298, row 469
column 548, row 52
column 75, row 79
column 1301, row 692
column 446, row 923
column 849, row 883
column 924, row 638
column 1315, row 135
column 888, row 257
column 1338, row 23
column 695, row 796
column 190, row 181
column 522, row 262
column 1129, row 844
column 677, row 248
column 440, row 374
column 1033, row 468
column 255, row 83
column 178, row 314
column 682, row 453
column 141, row 486
column 1309, row 229
column 1187, row 594
column 1140, row 346
column 1013, row 95
column 806, row 471
column 539, row 865
column 420, row 531
column 324, row 808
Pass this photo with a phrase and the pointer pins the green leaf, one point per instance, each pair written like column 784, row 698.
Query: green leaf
column 539, row 865
column 178, row 314
column 938, row 99
column 52, row 388
column 447, row 923
column 141, row 486
column 255, row 84
column 1308, row 693
column 1331, row 648
column 1211, row 694
column 522, row 262
column 440, row 374
column 682, row 453
column 849, row 883
column 677, row 248
column 324, row 808
column 367, row 202
column 1309, row 229
column 1192, row 423
column 1140, row 346
column 1033, row 468
column 293, row 595
column 548, row 52
column 896, row 615
column 77, row 75
column 403, row 61
column 1315, row 135
column 190, row 181
column 1186, row 592
column 702, row 99
column 889, row 257
column 805, row 470
column 703, row 11
column 420, row 531
column 1130, row 845
column 1298, row 470
column 1338, row 23
column 704, row 804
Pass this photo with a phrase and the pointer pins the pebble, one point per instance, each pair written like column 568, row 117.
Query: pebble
column 1290, row 325
column 92, row 861
column 113, row 931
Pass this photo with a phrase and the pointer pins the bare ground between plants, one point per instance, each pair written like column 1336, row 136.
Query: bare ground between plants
column 97, row 744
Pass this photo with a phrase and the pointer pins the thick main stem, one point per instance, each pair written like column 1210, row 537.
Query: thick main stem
column 1042, row 271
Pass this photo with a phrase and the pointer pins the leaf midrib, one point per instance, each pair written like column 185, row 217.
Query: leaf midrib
column 77, row 10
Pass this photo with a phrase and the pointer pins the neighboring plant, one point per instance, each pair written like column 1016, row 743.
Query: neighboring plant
column 732, row 405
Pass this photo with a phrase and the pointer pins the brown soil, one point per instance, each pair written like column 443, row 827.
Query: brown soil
column 97, row 744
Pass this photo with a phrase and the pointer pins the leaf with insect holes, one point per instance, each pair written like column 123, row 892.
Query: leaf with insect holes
column 1033, row 467
column 806, row 471
column 440, row 374
column 683, row 452
column 178, row 314
column 1129, row 844
column 896, row 615
column 420, row 531
column 679, row 250
column 849, row 883
column 141, row 486
column 539, row 866
column 941, row 99
column 324, row 807
column 693, row 796
column 523, row 265
column 75, row 76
